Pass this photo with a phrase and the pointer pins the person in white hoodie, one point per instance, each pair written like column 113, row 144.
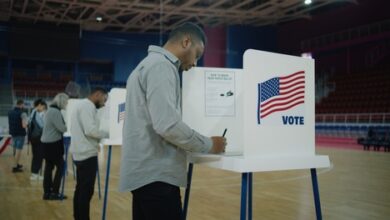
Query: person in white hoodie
column 84, row 147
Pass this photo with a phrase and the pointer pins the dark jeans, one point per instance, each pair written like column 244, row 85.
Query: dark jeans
column 53, row 154
column 86, row 176
column 157, row 201
column 37, row 155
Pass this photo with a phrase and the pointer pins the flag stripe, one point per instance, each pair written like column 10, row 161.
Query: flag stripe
column 282, row 109
column 292, row 75
column 292, row 85
column 299, row 98
column 282, row 82
column 282, row 98
column 292, row 90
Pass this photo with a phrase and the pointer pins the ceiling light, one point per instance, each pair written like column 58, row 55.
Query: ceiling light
column 307, row 55
column 307, row 2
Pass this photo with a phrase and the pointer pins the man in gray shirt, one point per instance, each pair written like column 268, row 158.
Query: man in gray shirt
column 155, row 139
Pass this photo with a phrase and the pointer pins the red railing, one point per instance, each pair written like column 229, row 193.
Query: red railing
column 377, row 118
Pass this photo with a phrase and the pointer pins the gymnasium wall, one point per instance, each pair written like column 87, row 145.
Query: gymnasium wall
column 215, row 53
column 124, row 50
column 3, row 39
column 241, row 38
column 226, row 45
column 350, row 15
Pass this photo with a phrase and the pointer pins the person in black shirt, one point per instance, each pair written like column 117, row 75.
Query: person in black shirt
column 17, row 122
column 35, row 127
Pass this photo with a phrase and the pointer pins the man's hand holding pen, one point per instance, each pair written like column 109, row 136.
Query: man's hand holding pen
column 219, row 144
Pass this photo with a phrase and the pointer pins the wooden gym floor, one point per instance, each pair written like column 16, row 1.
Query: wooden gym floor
column 356, row 186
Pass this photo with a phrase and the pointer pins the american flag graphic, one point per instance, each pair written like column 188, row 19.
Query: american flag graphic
column 280, row 94
column 121, row 112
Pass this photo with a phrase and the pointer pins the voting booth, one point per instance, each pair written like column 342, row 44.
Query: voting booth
column 268, row 111
column 110, row 117
column 116, row 106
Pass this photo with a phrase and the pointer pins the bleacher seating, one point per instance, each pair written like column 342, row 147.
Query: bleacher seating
column 34, row 88
column 351, row 130
column 358, row 93
column 377, row 137
column 37, row 89
column 357, row 102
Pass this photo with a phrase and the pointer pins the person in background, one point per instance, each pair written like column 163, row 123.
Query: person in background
column 84, row 148
column 53, row 147
column 155, row 139
column 17, row 122
column 35, row 128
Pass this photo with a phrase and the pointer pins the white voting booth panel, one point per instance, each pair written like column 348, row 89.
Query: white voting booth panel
column 273, row 122
column 278, row 105
column 117, row 99
column 67, row 114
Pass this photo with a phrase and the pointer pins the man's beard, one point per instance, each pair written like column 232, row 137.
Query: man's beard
column 97, row 105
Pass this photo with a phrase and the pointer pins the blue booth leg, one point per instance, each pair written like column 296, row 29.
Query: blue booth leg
column 316, row 193
column 250, row 196
column 107, row 180
column 64, row 172
column 246, row 196
column 188, row 189
column 98, row 180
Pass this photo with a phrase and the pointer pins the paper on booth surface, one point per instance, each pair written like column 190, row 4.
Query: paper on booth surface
column 213, row 101
column 220, row 89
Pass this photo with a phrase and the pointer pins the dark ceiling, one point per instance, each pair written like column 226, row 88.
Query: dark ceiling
column 159, row 15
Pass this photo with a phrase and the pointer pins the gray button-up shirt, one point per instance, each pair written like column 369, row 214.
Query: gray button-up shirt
column 155, row 139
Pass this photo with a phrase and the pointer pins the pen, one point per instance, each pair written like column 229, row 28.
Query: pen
column 224, row 132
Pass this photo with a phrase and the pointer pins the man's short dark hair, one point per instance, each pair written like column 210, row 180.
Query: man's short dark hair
column 38, row 102
column 98, row 89
column 20, row 102
column 188, row 28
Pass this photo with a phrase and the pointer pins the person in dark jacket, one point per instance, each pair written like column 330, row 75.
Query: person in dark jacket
column 17, row 122
column 53, row 147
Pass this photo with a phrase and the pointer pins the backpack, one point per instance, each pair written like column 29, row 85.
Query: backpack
column 34, row 130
